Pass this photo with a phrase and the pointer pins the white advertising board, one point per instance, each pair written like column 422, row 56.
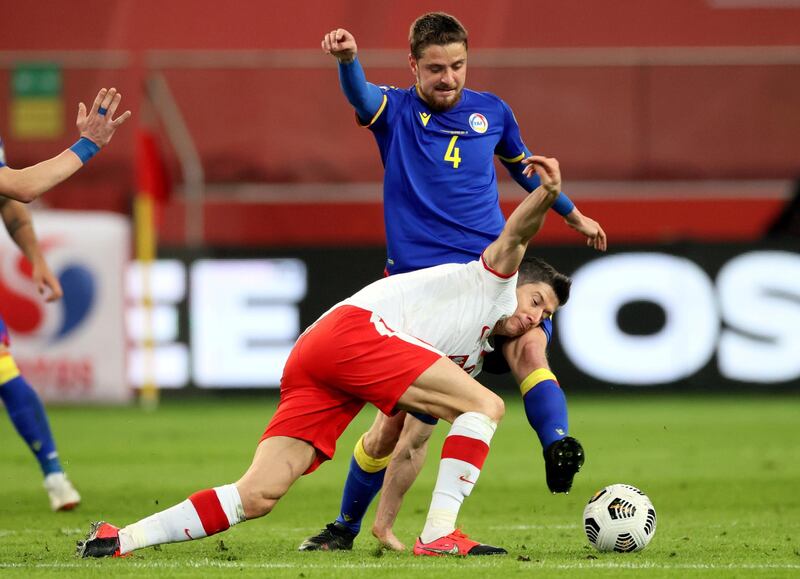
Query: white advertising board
column 73, row 349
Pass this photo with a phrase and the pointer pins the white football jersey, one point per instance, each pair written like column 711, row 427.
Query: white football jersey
column 452, row 307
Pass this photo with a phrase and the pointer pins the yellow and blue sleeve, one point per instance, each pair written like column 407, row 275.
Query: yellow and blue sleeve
column 563, row 205
column 367, row 99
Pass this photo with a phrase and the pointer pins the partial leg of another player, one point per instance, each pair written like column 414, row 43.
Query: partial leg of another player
column 407, row 461
column 364, row 480
column 27, row 413
column 545, row 408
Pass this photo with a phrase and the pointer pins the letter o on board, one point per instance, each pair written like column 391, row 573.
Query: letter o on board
column 591, row 337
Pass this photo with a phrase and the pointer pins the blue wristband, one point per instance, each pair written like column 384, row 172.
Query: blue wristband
column 563, row 206
column 85, row 149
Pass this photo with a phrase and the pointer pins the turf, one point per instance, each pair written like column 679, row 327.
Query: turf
column 723, row 473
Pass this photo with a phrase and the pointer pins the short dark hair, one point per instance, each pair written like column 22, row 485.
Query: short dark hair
column 435, row 28
column 534, row 269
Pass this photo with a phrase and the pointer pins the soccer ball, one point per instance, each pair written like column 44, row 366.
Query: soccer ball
column 619, row 518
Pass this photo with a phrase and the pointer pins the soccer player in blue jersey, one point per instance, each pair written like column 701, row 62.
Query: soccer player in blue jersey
column 17, row 187
column 437, row 142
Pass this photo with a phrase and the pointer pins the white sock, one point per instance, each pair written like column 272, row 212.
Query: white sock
column 463, row 453
column 204, row 513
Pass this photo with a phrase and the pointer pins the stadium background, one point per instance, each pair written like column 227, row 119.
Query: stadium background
column 677, row 124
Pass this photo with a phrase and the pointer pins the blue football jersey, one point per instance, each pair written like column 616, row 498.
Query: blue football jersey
column 441, row 203
column 2, row 153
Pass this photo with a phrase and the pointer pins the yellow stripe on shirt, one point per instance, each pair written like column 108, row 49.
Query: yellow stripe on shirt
column 380, row 110
column 516, row 159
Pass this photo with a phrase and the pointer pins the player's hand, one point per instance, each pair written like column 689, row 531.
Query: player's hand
column 341, row 45
column 46, row 283
column 595, row 236
column 548, row 170
column 99, row 124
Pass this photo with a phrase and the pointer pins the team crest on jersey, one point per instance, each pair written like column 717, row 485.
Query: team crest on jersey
column 478, row 123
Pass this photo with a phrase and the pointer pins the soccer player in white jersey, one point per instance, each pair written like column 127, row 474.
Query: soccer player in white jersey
column 392, row 344
column 17, row 187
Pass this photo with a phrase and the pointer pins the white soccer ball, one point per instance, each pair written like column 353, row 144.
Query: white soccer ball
column 619, row 518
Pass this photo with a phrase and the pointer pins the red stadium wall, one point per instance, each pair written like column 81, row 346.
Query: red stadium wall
column 679, row 212
column 661, row 113
column 246, row 24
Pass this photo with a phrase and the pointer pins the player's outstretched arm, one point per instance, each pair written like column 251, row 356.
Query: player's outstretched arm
column 95, row 127
column 591, row 229
column 595, row 236
column 407, row 462
column 505, row 253
column 20, row 228
column 341, row 45
column 365, row 97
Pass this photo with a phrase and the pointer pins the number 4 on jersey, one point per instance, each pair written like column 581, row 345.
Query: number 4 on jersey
column 452, row 153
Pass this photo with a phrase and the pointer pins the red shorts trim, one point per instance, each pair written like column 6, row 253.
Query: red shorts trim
column 346, row 359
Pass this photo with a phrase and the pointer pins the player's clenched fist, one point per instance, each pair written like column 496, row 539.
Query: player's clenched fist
column 548, row 170
column 340, row 44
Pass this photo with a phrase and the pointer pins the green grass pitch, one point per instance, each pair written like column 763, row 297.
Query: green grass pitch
column 723, row 473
